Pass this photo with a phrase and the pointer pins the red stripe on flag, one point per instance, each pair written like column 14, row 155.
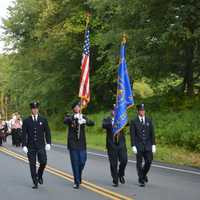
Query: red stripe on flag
column 84, row 91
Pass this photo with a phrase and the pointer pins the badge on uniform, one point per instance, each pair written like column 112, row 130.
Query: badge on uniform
column 40, row 123
column 148, row 124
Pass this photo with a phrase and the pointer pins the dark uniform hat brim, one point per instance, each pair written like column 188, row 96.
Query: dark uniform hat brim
column 34, row 105
column 76, row 103
column 140, row 106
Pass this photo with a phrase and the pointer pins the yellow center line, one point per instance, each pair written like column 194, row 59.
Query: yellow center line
column 88, row 185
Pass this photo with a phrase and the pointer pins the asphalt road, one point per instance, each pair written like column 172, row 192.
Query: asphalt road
column 165, row 182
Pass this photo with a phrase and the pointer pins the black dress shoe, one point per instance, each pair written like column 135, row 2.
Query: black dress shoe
column 146, row 179
column 122, row 180
column 141, row 183
column 76, row 186
column 35, row 186
column 40, row 181
column 115, row 184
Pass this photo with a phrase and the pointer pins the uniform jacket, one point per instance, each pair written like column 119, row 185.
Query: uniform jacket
column 76, row 139
column 35, row 134
column 110, row 141
column 142, row 135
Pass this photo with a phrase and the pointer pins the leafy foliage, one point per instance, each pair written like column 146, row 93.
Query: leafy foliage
column 47, row 39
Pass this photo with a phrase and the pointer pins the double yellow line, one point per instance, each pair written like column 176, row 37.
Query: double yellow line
column 90, row 186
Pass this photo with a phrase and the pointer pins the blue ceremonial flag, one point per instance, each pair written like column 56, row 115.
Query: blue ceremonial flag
column 124, row 98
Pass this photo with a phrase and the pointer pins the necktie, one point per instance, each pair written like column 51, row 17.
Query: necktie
column 34, row 118
column 142, row 121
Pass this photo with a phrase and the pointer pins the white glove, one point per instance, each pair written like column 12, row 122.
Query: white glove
column 78, row 116
column 82, row 121
column 134, row 149
column 153, row 148
column 48, row 147
column 25, row 149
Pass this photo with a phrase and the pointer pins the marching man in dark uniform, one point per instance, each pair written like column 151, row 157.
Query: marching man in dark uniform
column 77, row 141
column 117, row 151
column 143, row 143
column 36, row 139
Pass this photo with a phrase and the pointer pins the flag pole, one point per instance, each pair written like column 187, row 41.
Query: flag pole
column 88, row 15
column 87, row 20
column 81, row 104
column 123, row 42
column 124, row 38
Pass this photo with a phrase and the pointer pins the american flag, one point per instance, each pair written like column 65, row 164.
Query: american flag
column 84, row 90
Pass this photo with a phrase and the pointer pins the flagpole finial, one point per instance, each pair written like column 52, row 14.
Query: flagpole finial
column 124, row 38
column 87, row 15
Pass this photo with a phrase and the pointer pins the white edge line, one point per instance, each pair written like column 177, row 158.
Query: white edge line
column 132, row 161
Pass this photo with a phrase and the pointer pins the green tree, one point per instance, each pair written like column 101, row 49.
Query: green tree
column 163, row 37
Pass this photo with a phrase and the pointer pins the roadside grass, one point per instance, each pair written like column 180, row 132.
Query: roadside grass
column 177, row 129
column 165, row 153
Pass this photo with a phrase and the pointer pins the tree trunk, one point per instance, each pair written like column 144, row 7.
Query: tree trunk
column 2, row 104
column 188, row 79
column 6, row 108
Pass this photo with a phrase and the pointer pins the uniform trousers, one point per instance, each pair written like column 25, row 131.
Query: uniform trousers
column 116, row 155
column 142, row 170
column 78, row 160
column 33, row 154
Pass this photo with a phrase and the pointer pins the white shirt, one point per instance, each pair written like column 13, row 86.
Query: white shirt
column 12, row 121
column 78, row 116
column 36, row 117
column 112, row 121
column 142, row 118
